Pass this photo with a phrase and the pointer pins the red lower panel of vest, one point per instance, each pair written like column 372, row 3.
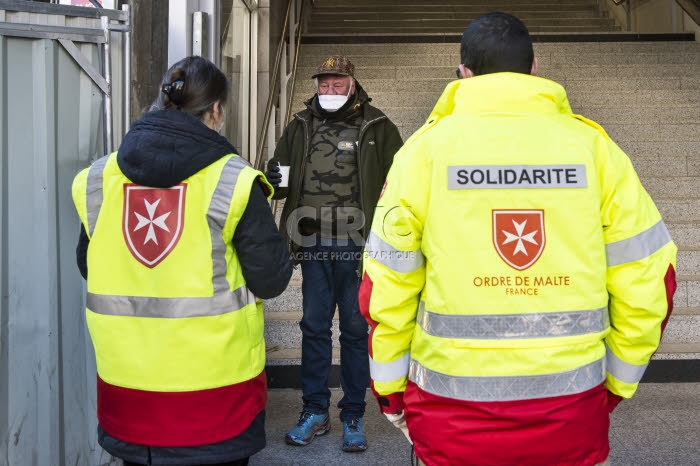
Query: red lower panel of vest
column 179, row 419
column 565, row 430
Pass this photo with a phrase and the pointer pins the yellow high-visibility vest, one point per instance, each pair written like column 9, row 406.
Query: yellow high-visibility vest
column 168, row 309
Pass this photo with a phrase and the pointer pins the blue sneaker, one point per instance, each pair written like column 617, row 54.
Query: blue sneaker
column 307, row 428
column 354, row 438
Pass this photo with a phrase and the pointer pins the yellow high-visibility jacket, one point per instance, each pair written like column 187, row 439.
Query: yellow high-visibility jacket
column 514, row 253
column 178, row 336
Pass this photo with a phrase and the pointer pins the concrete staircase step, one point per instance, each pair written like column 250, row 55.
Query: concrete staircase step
column 682, row 189
column 681, row 312
column 665, row 132
column 455, row 11
column 642, row 98
column 574, row 87
column 549, row 59
column 443, row 48
column 612, row 58
column 411, row 21
column 686, row 236
column 682, row 329
column 438, row 5
column 633, row 114
column 623, row 133
column 666, row 101
column 679, row 210
column 290, row 300
column 681, row 339
column 559, row 73
column 664, row 47
column 448, row 18
column 285, row 333
column 279, row 356
column 653, row 165
column 288, row 305
column 398, row 29
column 688, row 262
column 678, row 351
column 645, row 94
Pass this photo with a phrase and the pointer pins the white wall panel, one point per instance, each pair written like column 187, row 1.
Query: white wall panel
column 51, row 127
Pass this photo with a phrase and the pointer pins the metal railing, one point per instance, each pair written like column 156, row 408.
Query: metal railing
column 628, row 12
column 691, row 7
column 280, row 89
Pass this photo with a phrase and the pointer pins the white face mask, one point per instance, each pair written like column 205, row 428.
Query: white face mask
column 332, row 103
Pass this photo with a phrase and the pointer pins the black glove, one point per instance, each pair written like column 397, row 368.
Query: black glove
column 274, row 176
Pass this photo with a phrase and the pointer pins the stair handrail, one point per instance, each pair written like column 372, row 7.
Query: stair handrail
column 628, row 11
column 296, row 8
column 300, row 30
column 691, row 7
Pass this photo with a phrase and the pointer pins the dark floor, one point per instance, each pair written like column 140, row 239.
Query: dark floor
column 660, row 426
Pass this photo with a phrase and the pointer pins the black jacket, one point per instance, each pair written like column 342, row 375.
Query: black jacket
column 378, row 141
column 162, row 149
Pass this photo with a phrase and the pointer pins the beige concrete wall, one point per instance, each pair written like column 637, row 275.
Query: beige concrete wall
column 617, row 12
column 271, row 15
column 657, row 16
column 652, row 16
column 263, row 51
column 690, row 26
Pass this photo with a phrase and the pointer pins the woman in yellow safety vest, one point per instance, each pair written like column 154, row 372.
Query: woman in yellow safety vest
column 180, row 245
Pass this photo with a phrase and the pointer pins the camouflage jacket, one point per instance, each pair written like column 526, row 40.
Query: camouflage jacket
column 378, row 141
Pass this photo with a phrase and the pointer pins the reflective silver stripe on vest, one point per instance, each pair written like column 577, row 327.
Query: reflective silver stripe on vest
column 387, row 255
column 639, row 246
column 217, row 214
column 173, row 308
column 389, row 371
column 93, row 191
column 509, row 388
column 622, row 371
column 506, row 326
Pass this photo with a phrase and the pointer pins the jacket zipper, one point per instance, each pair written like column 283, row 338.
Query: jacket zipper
column 363, row 128
column 303, row 163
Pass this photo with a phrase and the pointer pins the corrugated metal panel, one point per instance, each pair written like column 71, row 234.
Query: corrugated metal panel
column 50, row 128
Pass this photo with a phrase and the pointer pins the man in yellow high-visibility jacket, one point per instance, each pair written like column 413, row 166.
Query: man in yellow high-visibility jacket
column 517, row 276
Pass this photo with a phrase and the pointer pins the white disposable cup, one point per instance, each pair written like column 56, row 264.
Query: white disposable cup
column 284, row 170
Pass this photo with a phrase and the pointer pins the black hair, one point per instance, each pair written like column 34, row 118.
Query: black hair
column 497, row 42
column 192, row 85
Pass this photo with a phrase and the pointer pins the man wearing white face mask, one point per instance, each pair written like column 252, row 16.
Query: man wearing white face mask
column 339, row 150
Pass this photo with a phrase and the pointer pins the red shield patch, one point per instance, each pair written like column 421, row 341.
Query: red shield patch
column 153, row 221
column 518, row 236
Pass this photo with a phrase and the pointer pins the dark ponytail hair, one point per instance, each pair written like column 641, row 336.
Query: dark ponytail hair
column 192, row 85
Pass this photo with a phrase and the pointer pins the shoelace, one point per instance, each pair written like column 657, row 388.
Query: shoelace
column 353, row 425
column 305, row 415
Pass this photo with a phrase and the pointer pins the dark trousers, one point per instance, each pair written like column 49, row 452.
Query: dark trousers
column 330, row 278
column 241, row 462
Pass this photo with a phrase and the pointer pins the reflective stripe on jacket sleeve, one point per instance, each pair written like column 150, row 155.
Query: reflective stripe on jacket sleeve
column 641, row 260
